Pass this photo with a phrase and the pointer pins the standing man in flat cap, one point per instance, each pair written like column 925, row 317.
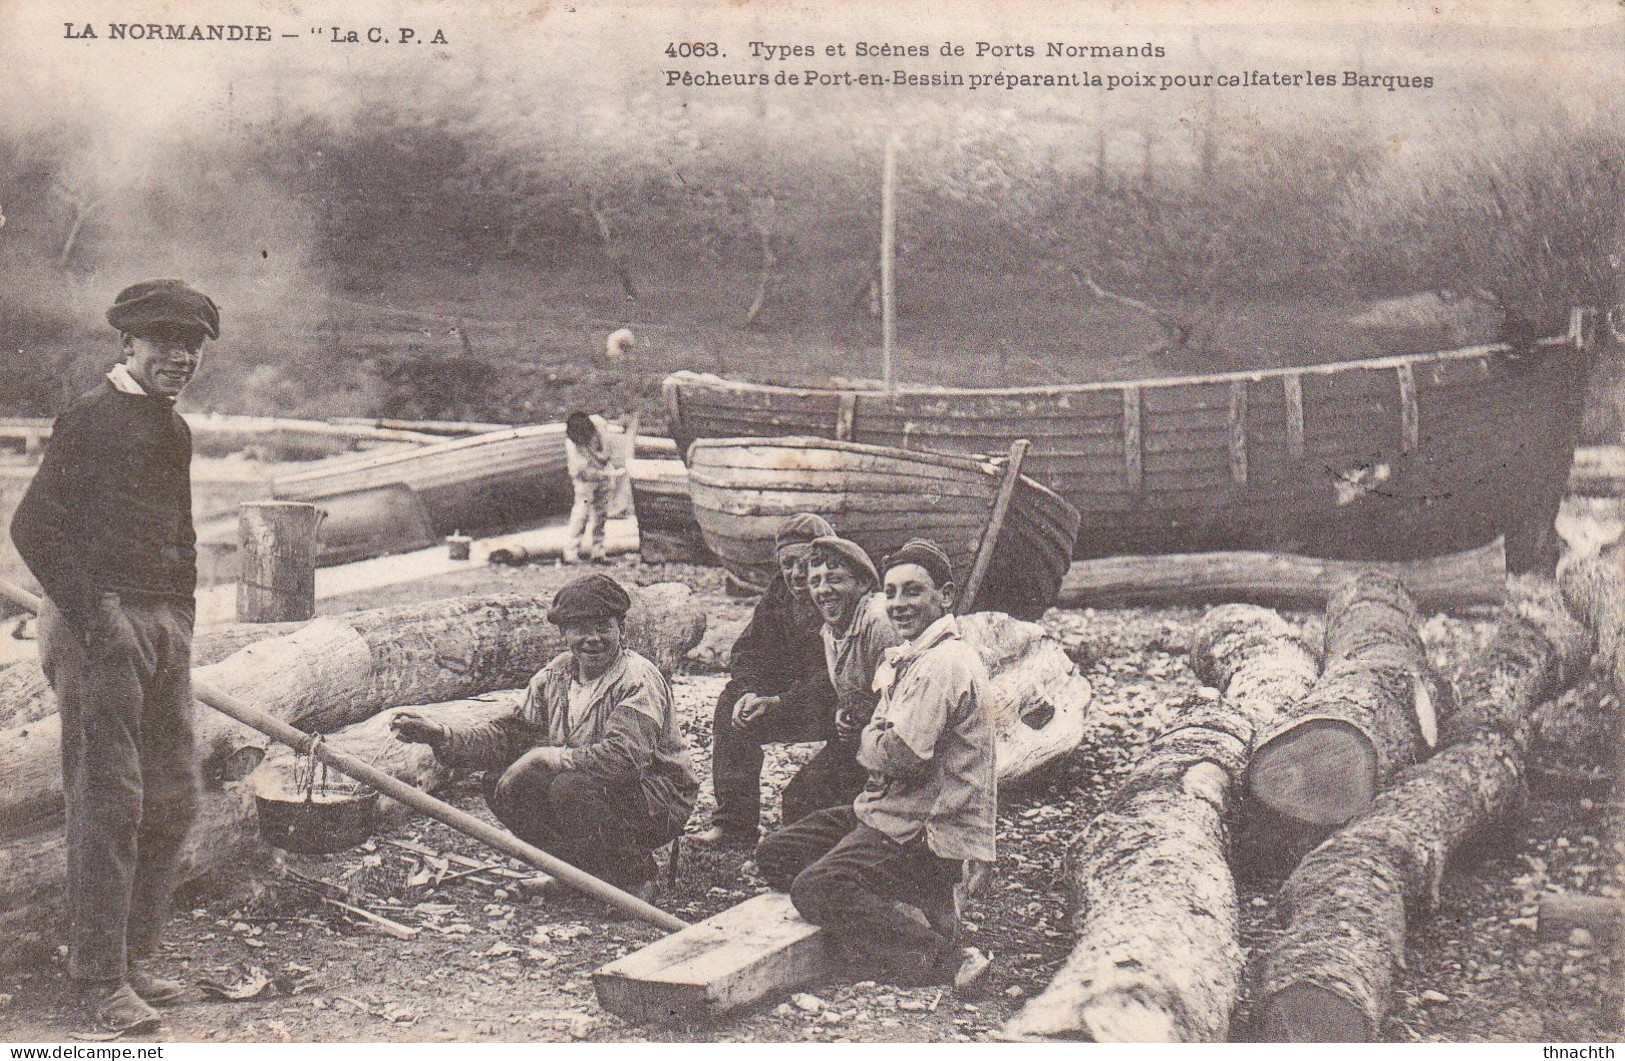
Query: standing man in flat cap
column 591, row 766
column 927, row 808
column 778, row 689
column 106, row 528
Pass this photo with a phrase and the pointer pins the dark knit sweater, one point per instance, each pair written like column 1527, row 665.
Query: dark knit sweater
column 781, row 654
column 111, row 506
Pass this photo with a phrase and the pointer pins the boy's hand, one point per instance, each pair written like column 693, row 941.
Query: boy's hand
column 750, row 708
column 410, row 727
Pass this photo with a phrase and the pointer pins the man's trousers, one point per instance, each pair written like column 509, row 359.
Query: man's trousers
column 129, row 774
column 595, row 825
column 849, row 878
column 831, row 778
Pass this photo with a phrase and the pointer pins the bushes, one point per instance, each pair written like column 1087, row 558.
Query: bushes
column 1527, row 207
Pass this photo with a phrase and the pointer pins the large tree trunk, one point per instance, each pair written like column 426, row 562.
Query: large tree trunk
column 1594, row 590
column 1374, row 711
column 1159, row 955
column 33, row 867
column 1038, row 700
column 1329, row 976
column 1441, row 583
column 25, row 696
column 335, row 671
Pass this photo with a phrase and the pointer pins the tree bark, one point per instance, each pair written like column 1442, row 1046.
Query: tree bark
column 1282, row 580
column 1329, row 976
column 373, row 742
column 1037, row 699
column 1375, row 710
column 1594, row 590
column 25, row 695
column 606, row 240
column 337, row 671
column 1159, row 955
column 277, row 548
column 33, row 867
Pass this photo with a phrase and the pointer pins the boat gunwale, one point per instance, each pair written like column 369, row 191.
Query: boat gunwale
column 952, row 461
column 686, row 377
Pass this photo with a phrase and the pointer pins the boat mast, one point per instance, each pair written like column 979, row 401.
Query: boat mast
column 888, row 227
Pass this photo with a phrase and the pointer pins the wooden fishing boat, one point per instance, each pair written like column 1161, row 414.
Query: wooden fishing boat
column 880, row 497
column 484, row 482
column 667, row 529
column 1391, row 458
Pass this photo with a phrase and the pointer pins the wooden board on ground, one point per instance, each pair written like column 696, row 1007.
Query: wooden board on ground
column 743, row 955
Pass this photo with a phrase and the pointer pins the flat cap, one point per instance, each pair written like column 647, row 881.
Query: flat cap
column 592, row 596
column 803, row 528
column 928, row 554
column 846, row 552
column 155, row 303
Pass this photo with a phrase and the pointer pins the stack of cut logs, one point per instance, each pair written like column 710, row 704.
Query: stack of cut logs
column 1384, row 766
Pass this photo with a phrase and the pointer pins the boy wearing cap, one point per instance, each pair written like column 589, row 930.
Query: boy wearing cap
column 927, row 808
column 590, row 767
column 778, row 690
column 106, row 528
column 841, row 580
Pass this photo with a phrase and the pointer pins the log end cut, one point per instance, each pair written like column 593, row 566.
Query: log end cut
column 1305, row 1013
column 1321, row 772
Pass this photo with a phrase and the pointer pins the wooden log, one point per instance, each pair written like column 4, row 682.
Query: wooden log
column 1602, row 916
column 746, row 953
column 1594, row 591
column 1159, row 955
column 620, row 537
column 278, row 546
column 373, row 742
column 25, row 696
column 339, row 670
column 1329, row 976
column 1598, row 471
column 1375, row 710
column 1038, row 700
column 1283, row 580
column 33, row 867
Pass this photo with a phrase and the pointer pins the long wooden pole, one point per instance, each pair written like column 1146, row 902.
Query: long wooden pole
column 888, row 232
column 417, row 799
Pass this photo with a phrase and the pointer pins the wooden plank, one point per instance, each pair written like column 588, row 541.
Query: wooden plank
column 1238, row 432
column 1409, row 417
column 1293, row 384
column 995, row 525
column 843, row 420
column 671, row 391
column 1131, row 436
column 743, row 955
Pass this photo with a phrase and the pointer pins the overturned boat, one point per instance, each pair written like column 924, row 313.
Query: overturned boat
column 1389, row 458
column 880, row 497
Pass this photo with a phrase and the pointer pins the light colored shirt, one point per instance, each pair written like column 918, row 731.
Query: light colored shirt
column 929, row 749
column 853, row 655
column 123, row 382
column 621, row 728
column 581, row 697
column 589, row 463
